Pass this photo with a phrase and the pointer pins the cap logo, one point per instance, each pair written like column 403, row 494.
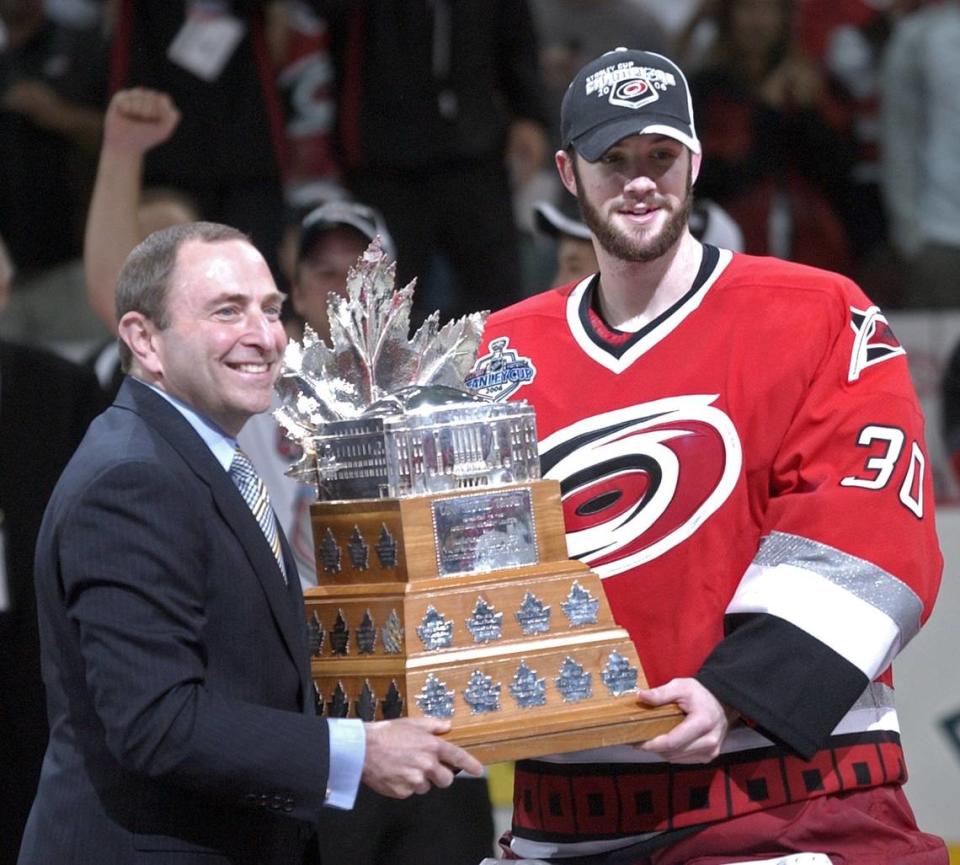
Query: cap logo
column 629, row 85
column 633, row 94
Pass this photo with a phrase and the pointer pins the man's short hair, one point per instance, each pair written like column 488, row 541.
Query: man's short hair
column 144, row 280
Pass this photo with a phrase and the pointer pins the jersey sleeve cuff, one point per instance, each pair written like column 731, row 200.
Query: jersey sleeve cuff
column 793, row 688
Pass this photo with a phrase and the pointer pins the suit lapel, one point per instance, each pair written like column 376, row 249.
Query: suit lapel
column 295, row 595
column 286, row 603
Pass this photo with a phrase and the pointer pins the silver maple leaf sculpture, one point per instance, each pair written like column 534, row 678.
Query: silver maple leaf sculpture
column 371, row 356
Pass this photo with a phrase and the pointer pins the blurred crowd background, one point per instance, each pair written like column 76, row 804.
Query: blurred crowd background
column 831, row 133
column 829, row 127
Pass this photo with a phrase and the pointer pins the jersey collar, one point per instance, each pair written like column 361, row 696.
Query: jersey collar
column 617, row 350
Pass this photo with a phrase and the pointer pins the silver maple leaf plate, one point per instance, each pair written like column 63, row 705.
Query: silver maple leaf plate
column 374, row 386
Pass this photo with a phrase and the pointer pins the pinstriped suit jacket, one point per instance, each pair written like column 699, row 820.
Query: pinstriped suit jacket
column 174, row 658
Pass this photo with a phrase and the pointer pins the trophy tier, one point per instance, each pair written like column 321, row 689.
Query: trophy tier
column 464, row 605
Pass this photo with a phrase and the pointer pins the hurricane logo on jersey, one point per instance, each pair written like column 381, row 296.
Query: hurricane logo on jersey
column 873, row 340
column 500, row 372
column 638, row 481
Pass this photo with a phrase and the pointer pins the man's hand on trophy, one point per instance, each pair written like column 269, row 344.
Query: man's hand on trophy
column 698, row 737
column 407, row 756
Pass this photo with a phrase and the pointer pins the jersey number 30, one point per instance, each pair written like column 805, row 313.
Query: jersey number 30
column 879, row 468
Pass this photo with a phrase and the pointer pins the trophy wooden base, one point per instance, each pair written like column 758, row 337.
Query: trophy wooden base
column 624, row 724
column 525, row 660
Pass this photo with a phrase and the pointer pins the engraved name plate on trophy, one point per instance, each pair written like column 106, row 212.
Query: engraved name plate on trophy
column 484, row 532
column 444, row 586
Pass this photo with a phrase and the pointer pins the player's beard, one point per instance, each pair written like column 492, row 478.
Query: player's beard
column 629, row 247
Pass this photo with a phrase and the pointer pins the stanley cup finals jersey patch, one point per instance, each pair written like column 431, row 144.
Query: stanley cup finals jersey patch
column 501, row 372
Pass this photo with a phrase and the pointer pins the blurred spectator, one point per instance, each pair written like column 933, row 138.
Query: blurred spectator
column 573, row 32
column 6, row 274
column 847, row 39
column 296, row 211
column 53, row 85
column 378, row 831
column 121, row 213
column 45, row 406
column 162, row 206
column 710, row 223
column 950, row 397
column 921, row 127
column 137, row 121
column 212, row 58
column 305, row 80
column 434, row 99
column 574, row 256
column 52, row 89
column 776, row 163
column 693, row 25
column 76, row 13
column 332, row 238
column 674, row 15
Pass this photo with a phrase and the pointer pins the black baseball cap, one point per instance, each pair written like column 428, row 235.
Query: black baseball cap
column 626, row 92
column 344, row 214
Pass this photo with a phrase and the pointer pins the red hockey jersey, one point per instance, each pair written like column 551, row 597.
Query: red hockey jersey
column 748, row 475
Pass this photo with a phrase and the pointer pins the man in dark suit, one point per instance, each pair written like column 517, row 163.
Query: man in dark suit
column 181, row 708
column 46, row 403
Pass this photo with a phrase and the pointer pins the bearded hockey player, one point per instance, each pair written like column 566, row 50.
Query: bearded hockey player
column 741, row 458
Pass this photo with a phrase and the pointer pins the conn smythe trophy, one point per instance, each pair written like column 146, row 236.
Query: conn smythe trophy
column 445, row 589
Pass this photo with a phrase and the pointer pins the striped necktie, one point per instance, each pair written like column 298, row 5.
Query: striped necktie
column 254, row 493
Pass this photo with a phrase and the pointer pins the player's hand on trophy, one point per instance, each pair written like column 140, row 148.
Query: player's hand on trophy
column 407, row 756
column 696, row 739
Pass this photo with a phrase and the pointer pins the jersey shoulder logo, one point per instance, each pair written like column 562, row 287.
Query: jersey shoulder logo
column 500, row 372
column 638, row 481
column 873, row 340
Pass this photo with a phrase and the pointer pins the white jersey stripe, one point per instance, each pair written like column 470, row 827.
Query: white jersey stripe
column 855, row 575
column 824, row 610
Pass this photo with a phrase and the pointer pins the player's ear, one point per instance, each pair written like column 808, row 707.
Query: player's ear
column 564, row 162
column 695, row 160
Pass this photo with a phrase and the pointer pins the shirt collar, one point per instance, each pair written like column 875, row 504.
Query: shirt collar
column 222, row 445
